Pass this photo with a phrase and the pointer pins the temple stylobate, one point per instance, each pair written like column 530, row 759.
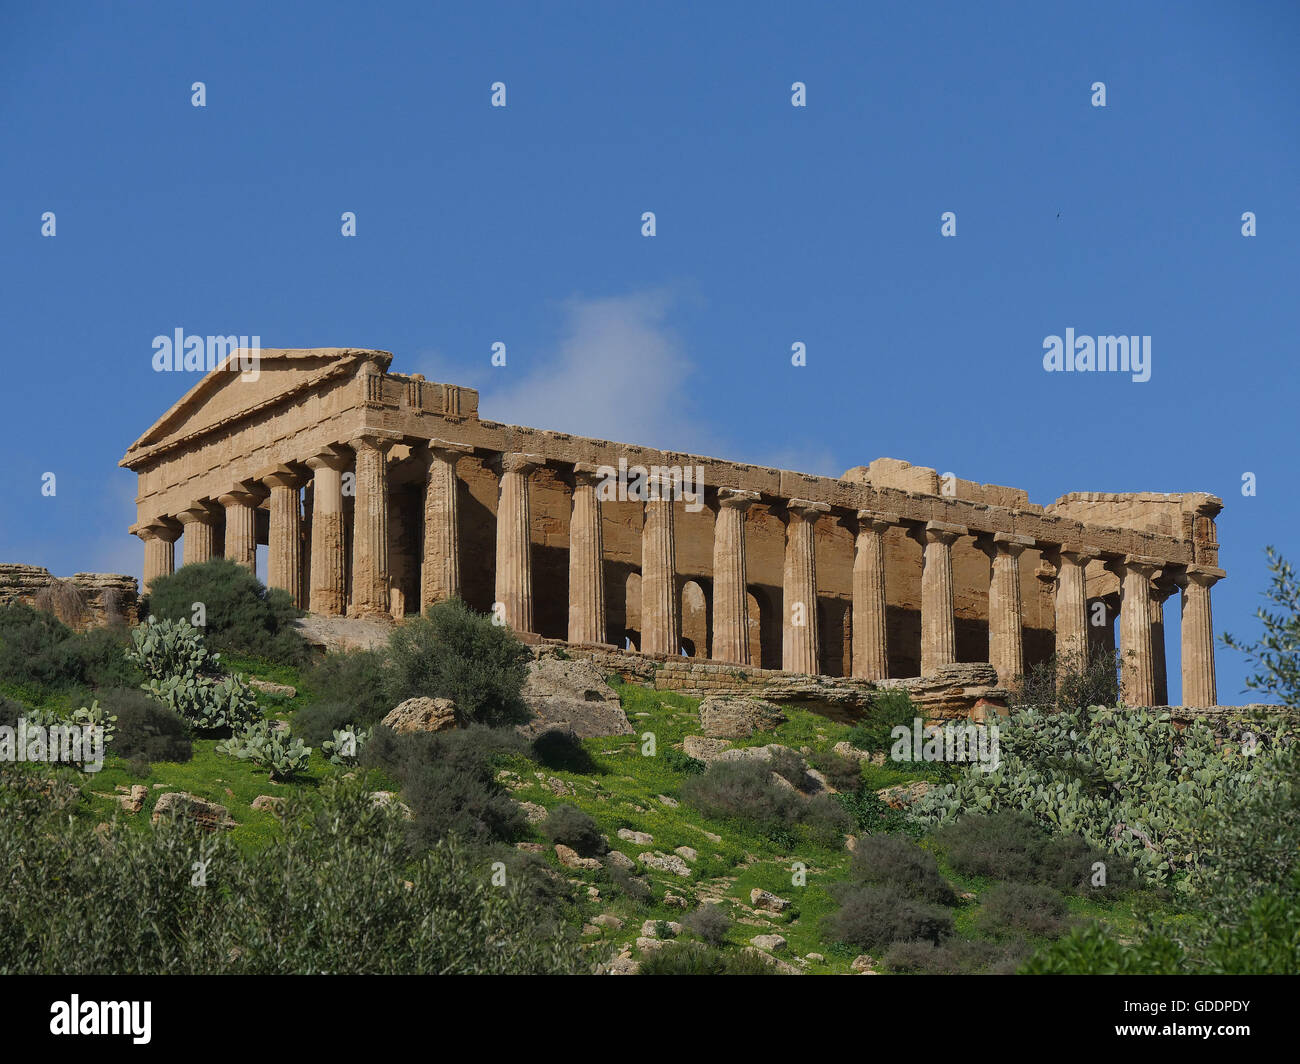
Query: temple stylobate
column 376, row 494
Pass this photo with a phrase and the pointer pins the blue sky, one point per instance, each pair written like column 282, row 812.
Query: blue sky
column 775, row 224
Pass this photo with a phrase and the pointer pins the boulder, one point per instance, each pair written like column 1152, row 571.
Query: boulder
column 269, row 688
column 572, row 693
column 639, row 837
column 762, row 899
column 664, row 862
column 533, row 812
column 904, row 794
column 618, row 859
column 422, row 715
column 207, row 815
column 738, row 717
column 650, row 929
column 771, row 943
column 570, row 859
column 687, row 853
column 609, row 920
column 704, row 749
column 268, row 803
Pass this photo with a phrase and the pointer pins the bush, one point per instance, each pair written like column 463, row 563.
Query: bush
column 710, row 923
column 827, row 820
column 888, row 709
column 570, row 826
column 842, row 773
column 338, row 891
column 683, row 763
column 790, row 767
column 631, row 886
column 104, row 652
column 355, row 681
column 695, row 958
column 870, row 917
column 888, row 860
column 1022, row 909
column 449, row 781
column 955, row 957
column 559, row 748
column 37, row 651
column 242, row 616
column 146, row 730
column 1071, row 681
column 452, row 652
column 743, row 790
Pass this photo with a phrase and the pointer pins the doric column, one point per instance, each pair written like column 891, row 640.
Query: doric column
column 197, row 546
column 514, row 577
column 440, row 570
column 730, row 577
column 1137, row 667
column 870, row 644
column 660, row 623
column 800, row 646
column 938, row 624
column 1199, row 686
column 1161, row 588
column 370, row 578
column 1006, row 619
column 159, row 550
column 241, row 527
column 328, row 593
column 1071, row 605
column 586, row 559
column 284, row 540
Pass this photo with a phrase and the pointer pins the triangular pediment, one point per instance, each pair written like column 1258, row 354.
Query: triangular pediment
column 227, row 394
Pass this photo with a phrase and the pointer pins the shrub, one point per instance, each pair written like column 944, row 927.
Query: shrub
column 1127, row 780
column 710, row 923
column 37, row 651
column 241, row 615
column 842, row 773
column 631, row 886
column 103, row 651
column 695, row 958
column 315, row 724
column 888, row 860
column 683, row 763
column 790, row 767
column 1071, row 681
column 64, row 600
column 955, row 957
column 449, row 781
column 888, row 709
column 870, row 917
column 559, row 748
column 146, row 730
column 270, row 748
column 827, row 820
column 339, row 891
column 743, row 790
column 355, row 680
column 570, row 826
column 1022, row 909
column 452, row 652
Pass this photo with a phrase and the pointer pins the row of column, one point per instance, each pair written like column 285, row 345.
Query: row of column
column 326, row 590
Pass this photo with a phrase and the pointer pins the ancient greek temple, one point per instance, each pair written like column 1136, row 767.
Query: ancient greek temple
column 377, row 493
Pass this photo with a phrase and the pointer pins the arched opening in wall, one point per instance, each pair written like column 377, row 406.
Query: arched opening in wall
column 695, row 620
column 632, row 610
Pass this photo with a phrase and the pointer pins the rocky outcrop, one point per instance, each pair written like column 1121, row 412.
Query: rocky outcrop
column 954, row 691
column 207, row 815
column 737, row 718
column 81, row 601
column 572, row 695
column 422, row 715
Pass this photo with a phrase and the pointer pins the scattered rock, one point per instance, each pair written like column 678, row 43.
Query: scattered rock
column 133, row 800
column 738, row 717
column 623, row 964
column 572, row 693
column 618, row 859
column 267, row 687
column 704, row 749
column 639, row 837
column 663, row 862
column 207, row 815
column 530, row 847
column 608, row 920
column 570, row 859
column 816, row 957
column 675, row 901
column 687, row 853
column 649, row 945
column 782, row 967
column 904, row 794
column 762, row 899
column 533, row 812
column 650, row 928
column 864, row 964
column 671, row 803
column 772, row 943
column 422, row 715
column 268, row 803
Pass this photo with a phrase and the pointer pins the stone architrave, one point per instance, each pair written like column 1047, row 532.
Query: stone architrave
column 514, row 576
column 870, row 642
column 1006, row 616
column 586, row 558
column 730, row 601
column 370, row 574
column 800, row 649
column 660, row 621
column 440, row 572
column 1197, row 636
column 284, row 539
column 327, row 591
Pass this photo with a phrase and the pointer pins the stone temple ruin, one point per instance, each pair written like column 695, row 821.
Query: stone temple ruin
column 378, row 493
